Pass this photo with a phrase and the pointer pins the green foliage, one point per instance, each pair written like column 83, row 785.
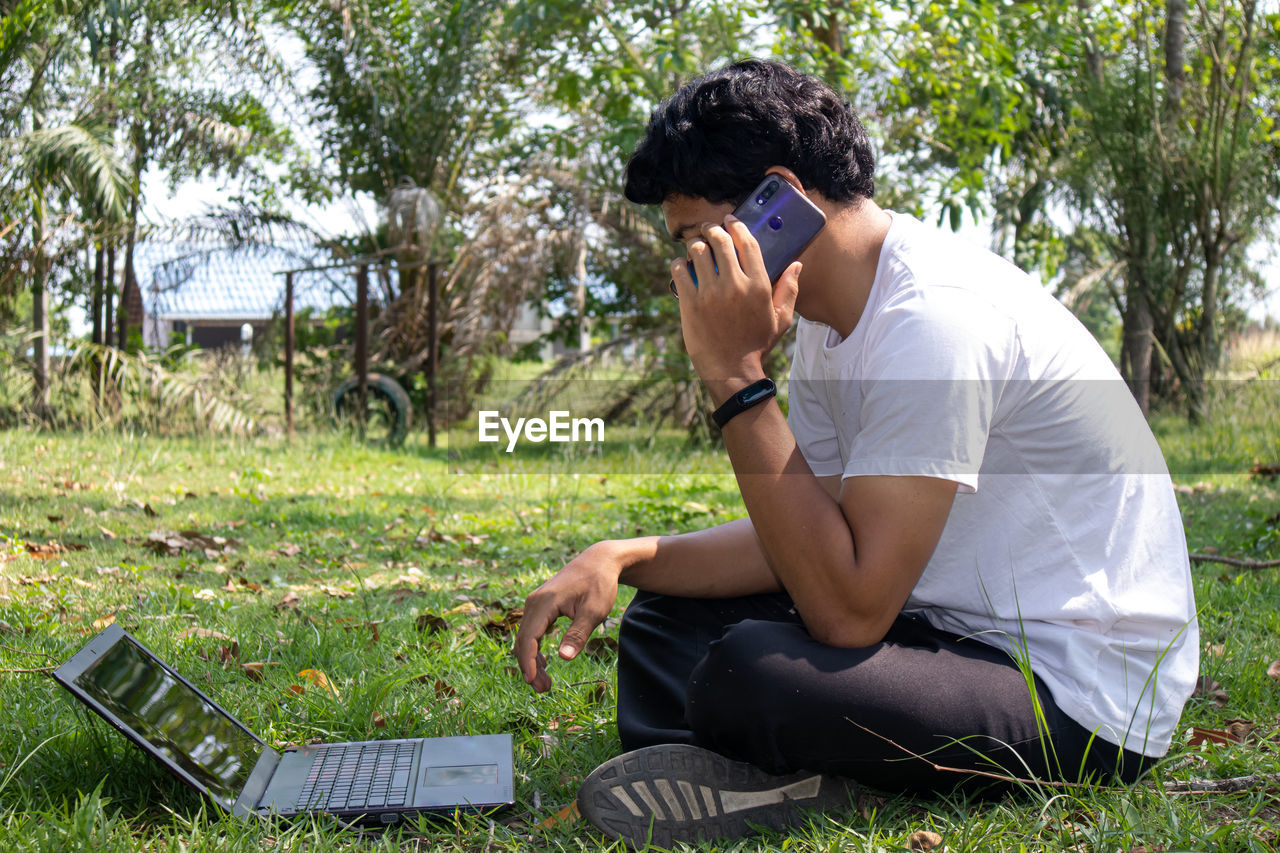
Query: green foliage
column 97, row 387
column 406, row 90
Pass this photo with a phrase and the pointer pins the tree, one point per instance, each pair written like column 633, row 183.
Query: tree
column 1181, row 158
column 1151, row 124
column 64, row 169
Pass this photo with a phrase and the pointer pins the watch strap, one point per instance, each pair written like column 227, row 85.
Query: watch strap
column 754, row 394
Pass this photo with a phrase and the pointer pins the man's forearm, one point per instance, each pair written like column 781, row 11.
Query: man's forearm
column 722, row 561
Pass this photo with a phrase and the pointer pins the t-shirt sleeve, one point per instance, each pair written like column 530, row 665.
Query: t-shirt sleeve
column 935, row 369
column 807, row 415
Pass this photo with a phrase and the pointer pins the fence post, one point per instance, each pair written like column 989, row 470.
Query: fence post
column 362, row 345
column 433, row 294
column 288, row 353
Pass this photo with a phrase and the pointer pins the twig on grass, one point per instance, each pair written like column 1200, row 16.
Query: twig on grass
column 966, row 771
column 32, row 654
column 1222, row 786
column 1234, row 561
column 1233, row 785
column 41, row 670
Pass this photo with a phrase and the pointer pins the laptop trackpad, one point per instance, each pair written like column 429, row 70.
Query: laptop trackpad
column 464, row 771
column 465, row 774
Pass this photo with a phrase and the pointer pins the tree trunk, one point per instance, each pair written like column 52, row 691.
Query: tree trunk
column 128, row 281
column 108, row 294
column 1175, row 38
column 580, row 272
column 1208, row 332
column 40, row 325
column 95, row 299
column 1136, row 347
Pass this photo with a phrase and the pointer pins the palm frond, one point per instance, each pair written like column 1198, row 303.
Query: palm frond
column 81, row 157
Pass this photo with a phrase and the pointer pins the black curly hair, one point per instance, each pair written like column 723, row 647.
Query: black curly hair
column 715, row 137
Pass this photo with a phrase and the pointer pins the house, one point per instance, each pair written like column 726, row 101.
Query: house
column 208, row 294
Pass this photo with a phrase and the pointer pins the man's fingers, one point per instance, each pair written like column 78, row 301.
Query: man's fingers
column 722, row 246
column 541, row 682
column 785, row 293
column 533, row 625
column 575, row 636
column 746, row 247
column 682, row 278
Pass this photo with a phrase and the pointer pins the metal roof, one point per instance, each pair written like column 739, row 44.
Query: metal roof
column 194, row 281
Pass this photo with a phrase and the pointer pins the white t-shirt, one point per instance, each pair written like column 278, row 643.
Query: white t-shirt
column 1064, row 544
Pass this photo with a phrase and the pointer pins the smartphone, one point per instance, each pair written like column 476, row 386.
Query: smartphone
column 783, row 221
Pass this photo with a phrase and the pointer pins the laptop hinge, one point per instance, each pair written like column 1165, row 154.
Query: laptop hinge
column 256, row 786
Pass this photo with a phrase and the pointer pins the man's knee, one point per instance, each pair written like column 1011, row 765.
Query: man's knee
column 733, row 684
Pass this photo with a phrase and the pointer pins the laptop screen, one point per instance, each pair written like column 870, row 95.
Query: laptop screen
column 176, row 720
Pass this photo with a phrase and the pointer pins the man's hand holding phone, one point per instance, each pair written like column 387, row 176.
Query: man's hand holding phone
column 742, row 274
column 733, row 316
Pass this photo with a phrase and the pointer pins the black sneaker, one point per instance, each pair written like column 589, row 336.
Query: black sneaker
column 669, row 793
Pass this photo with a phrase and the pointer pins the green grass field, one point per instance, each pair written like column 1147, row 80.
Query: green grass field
column 397, row 574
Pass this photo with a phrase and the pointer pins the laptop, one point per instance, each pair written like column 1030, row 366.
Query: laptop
column 368, row 783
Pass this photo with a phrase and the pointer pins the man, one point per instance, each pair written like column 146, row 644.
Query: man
column 963, row 557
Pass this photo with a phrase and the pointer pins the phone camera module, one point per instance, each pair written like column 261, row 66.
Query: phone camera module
column 775, row 222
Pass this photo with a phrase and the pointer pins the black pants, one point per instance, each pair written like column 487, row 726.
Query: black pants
column 743, row 677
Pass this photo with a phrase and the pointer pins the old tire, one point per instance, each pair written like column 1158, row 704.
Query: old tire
column 387, row 408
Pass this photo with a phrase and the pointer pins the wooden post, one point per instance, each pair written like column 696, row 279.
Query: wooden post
column 362, row 344
column 288, row 353
column 433, row 294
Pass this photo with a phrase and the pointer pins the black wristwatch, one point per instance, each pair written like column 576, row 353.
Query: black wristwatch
column 753, row 394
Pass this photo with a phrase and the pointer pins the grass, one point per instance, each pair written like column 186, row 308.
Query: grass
column 341, row 559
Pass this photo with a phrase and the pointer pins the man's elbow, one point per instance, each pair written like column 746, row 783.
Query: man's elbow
column 849, row 632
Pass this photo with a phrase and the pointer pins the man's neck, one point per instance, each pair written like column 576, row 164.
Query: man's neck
column 840, row 266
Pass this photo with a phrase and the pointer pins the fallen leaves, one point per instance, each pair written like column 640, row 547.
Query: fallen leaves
column 601, row 648
column 504, row 623
column 431, row 623
column 51, row 550
column 1236, row 731
column 1209, row 689
column 254, row 670
column 241, row 584
column 1266, row 472
column 319, row 679
column 171, row 544
column 203, row 633
column 923, row 839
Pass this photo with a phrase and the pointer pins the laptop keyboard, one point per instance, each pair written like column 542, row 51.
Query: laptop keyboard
column 358, row 776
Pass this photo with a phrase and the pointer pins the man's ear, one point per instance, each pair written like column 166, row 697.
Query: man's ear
column 787, row 175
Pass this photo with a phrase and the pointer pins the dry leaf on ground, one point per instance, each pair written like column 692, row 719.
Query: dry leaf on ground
column 255, row 669
column 171, row 544
column 504, row 623
column 923, row 839
column 1211, row 690
column 204, row 634
column 49, row 550
column 431, row 623
column 319, row 679
column 600, row 648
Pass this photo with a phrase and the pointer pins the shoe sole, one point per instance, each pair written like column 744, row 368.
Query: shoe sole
column 672, row 793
